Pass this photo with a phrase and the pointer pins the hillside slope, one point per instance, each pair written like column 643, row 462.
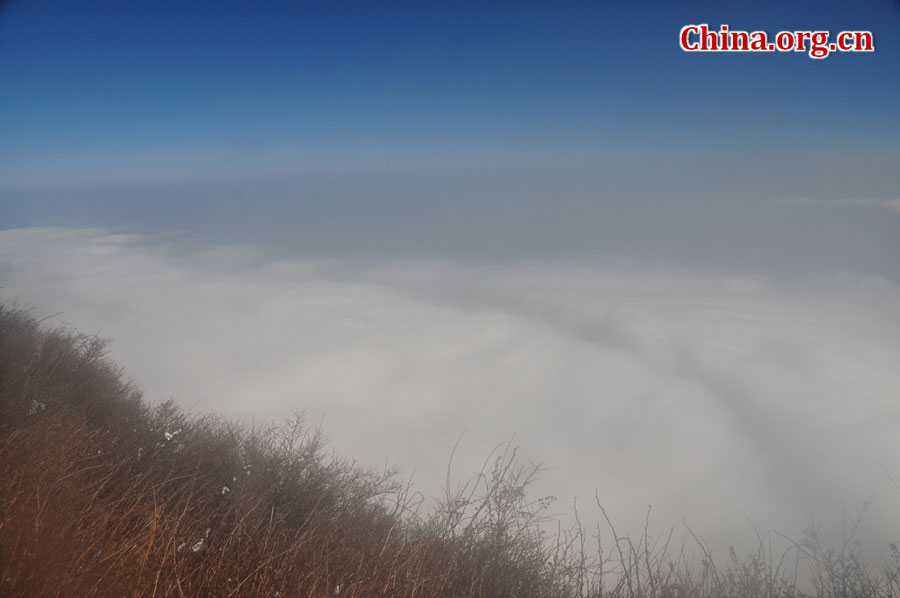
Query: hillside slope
column 103, row 495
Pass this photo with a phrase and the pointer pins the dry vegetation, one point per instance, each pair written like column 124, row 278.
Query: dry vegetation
column 104, row 495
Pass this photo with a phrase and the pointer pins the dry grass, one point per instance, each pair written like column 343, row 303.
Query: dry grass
column 103, row 495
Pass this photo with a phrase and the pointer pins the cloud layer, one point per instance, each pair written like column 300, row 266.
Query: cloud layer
column 711, row 397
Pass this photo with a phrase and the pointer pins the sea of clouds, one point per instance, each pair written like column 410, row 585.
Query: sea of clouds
column 712, row 397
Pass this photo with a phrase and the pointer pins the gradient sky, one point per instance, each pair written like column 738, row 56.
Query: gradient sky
column 111, row 92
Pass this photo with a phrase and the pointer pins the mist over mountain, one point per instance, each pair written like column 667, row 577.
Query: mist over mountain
column 711, row 396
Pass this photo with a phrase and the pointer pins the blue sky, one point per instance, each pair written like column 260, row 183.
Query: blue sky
column 110, row 92
column 501, row 131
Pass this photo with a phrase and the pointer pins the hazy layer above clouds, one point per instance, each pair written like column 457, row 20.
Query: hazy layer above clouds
column 711, row 396
column 789, row 219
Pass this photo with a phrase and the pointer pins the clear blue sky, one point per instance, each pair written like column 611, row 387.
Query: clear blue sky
column 110, row 92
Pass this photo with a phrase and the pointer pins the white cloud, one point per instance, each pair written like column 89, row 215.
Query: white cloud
column 710, row 397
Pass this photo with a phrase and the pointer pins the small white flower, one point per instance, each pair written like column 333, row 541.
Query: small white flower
column 181, row 546
column 337, row 590
column 225, row 490
column 198, row 546
column 36, row 406
column 170, row 435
